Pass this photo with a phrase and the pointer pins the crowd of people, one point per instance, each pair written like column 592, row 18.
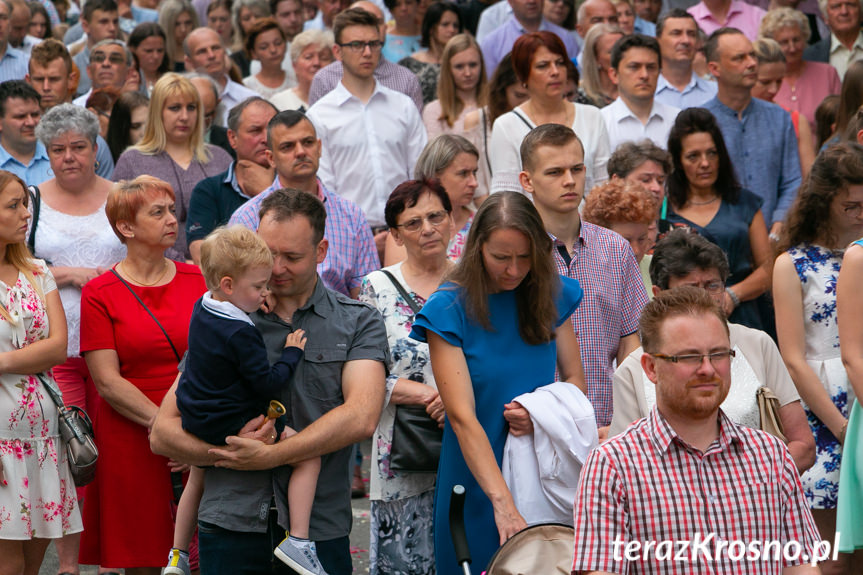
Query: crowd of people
column 609, row 238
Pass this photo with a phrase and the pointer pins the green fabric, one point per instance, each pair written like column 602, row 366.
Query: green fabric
column 850, row 506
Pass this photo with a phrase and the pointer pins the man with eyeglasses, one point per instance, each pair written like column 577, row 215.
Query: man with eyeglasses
column 685, row 488
column 372, row 136
column 100, row 20
column 110, row 67
column 683, row 258
column 844, row 45
column 294, row 150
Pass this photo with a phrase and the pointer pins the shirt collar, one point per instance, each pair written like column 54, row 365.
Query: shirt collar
column 835, row 44
column 231, row 178
column 585, row 235
column 41, row 153
column 663, row 84
column 323, row 193
column 663, row 435
column 13, row 53
column 619, row 110
column 319, row 302
column 342, row 95
column 729, row 112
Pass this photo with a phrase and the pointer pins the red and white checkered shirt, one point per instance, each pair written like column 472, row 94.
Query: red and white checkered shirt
column 648, row 486
column 614, row 295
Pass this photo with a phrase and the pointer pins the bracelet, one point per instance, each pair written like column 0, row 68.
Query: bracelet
column 734, row 299
column 842, row 431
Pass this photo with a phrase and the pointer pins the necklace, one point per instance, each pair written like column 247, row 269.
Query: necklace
column 139, row 282
column 691, row 203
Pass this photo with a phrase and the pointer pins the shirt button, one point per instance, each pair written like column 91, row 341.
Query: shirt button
column 320, row 357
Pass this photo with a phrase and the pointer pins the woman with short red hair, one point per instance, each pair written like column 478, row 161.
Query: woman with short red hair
column 539, row 60
column 134, row 328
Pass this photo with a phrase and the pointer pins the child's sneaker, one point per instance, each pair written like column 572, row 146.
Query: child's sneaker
column 178, row 563
column 300, row 555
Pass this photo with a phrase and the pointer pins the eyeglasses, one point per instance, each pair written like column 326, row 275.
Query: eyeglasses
column 414, row 225
column 696, row 359
column 359, row 47
column 710, row 287
column 114, row 58
column 853, row 210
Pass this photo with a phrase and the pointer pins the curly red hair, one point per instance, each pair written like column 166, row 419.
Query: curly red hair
column 619, row 201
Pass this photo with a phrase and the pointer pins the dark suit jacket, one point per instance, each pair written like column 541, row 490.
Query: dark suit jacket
column 219, row 137
column 819, row 51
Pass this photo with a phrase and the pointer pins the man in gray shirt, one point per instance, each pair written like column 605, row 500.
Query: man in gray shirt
column 334, row 400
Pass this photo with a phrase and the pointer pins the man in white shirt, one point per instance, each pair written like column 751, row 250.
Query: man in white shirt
column 109, row 67
column 844, row 45
column 371, row 135
column 635, row 114
column 679, row 86
column 204, row 53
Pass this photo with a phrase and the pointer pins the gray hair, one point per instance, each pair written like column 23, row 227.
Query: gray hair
column 112, row 42
column 307, row 38
column 779, row 18
column 237, row 111
column 822, row 5
column 630, row 155
column 440, row 153
column 217, row 121
column 66, row 118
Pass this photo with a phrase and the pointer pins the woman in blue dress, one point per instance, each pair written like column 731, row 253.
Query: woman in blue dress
column 494, row 333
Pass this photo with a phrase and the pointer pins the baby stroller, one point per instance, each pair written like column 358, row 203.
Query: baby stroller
column 545, row 549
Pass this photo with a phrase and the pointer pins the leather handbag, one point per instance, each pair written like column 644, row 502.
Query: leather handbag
column 76, row 431
column 416, row 436
column 768, row 409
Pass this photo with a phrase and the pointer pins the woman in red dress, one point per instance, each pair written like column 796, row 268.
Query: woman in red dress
column 133, row 363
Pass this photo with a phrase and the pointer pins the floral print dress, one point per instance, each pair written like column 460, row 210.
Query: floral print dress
column 402, row 505
column 38, row 499
column 817, row 268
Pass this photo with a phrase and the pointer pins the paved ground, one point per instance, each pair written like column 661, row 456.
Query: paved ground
column 359, row 534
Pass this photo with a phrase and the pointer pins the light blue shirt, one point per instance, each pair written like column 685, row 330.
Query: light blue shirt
column 644, row 27
column 37, row 171
column 499, row 43
column 763, row 150
column 694, row 95
column 13, row 65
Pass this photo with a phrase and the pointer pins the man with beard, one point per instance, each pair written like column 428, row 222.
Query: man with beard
column 685, row 489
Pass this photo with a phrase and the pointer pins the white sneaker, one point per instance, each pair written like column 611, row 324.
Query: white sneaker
column 178, row 563
column 301, row 556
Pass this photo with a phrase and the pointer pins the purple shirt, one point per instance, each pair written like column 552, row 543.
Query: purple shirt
column 352, row 253
column 499, row 43
column 744, row 17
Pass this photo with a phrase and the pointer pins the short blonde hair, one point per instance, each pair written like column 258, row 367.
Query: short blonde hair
column 230, row 252
column 779, row 18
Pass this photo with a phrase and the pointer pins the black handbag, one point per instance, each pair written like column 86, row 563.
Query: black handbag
column 76, row 431
column 416, row 436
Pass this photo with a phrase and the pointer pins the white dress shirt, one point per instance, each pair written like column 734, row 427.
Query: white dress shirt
column 624, row 126
column 368, row 149
column 841, row 57
column 232, row 95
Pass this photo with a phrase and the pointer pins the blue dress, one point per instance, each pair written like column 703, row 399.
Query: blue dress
column 502, row 366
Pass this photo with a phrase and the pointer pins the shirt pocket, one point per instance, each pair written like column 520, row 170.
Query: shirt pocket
column 323, row 374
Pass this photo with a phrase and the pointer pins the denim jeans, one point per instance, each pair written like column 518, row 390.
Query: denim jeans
column 225, row 552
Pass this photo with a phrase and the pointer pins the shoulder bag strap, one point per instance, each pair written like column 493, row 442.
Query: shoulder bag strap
column 143, row 305
column 523, row 119
column 403, row 292
column 36, row 200
column 482, row 119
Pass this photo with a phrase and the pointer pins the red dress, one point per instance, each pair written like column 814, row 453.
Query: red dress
column 127, row 518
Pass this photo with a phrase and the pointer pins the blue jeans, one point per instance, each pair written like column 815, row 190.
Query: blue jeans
column 225, row 552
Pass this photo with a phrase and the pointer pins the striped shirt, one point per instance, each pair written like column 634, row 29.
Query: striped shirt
column 13, row 64
column 604, row 264
column 647, row 485
column 352, row 253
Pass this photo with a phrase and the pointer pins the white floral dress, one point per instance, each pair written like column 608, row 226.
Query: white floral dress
column 38, row 499
column 402, row 505
column 817, row 268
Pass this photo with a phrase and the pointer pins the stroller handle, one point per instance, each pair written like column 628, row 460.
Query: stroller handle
column 456, row 527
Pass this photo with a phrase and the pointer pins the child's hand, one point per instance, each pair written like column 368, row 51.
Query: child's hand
column 296, row 338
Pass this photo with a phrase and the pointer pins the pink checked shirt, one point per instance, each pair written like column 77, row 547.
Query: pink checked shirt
column 614, row 295
column 648, row 485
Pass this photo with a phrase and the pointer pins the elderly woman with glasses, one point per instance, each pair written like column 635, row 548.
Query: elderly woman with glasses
column 680, row 259
column 173, row 149
column 418, row 213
